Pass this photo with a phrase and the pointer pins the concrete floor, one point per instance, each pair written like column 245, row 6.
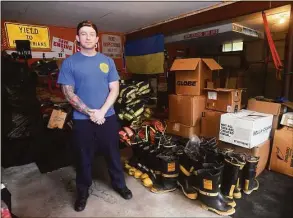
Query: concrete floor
column 52, row 195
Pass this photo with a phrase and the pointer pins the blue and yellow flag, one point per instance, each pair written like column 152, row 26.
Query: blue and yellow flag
column 145, row 56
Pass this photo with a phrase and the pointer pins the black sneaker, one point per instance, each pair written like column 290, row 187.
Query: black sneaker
column 124, row 192
column 80, row 203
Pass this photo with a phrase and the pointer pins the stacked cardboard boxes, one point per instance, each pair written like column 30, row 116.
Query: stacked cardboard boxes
column 186, row 107
column 219, row 101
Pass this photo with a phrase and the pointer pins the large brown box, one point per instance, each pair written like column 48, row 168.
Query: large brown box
column 261, row 151
column 275, row 109
column 210, row 123
column 282, row 152
column 186, row 109
column 224, row 100
column 192, row 74
column 183, row 130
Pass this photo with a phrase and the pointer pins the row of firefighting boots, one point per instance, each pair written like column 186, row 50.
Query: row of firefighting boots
column 156, row 165
column 215, row 177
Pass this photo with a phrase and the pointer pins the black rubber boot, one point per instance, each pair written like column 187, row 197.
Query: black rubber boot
column 237, row 191
column 220, row 167
column 170, row 172
column 209, row 192
column 230, row 175
column 185, row 176
column 250, row 183
column 153, row 174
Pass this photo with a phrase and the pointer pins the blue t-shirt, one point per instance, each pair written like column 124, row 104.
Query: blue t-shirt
column 91, row 77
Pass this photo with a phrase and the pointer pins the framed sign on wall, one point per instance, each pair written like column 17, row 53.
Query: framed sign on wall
column 112, row 46
column 39, row 36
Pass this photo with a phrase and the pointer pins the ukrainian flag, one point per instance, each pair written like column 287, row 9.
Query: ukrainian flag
column 145, row 56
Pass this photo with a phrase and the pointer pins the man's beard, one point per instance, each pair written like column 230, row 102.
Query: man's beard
column 87, row 47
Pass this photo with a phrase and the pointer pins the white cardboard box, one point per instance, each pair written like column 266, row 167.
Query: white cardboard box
column 245, row 128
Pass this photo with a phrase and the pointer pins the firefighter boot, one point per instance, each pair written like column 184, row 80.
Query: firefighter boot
column 230, row 176
column 237, row 191
column 185, row 175
column 249, row 173
column 209, row 192
column 169, row 168
column 220, row 167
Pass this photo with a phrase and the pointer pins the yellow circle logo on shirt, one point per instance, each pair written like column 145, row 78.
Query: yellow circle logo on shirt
column 104, row 67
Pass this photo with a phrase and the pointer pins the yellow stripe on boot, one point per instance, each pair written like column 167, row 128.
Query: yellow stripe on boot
column 137, row 174
column 131, row 171
column 144, row 176
column 147, row 182
column 127, row 166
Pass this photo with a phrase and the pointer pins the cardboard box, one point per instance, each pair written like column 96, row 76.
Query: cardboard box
column 262, row 151
column 282, row 152
column 193, row 74
column 186, row 109
column 183, row 130
column 225, row 100
column 210, row 123
column 287, row 119
column 245, row 128
column 268, row 108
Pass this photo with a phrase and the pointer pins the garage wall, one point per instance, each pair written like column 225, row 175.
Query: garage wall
column 259, row 83
column 64, row 33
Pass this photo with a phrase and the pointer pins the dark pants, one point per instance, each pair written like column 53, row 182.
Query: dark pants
column 89, row 138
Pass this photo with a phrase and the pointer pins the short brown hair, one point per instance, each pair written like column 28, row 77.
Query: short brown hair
column 86, row 23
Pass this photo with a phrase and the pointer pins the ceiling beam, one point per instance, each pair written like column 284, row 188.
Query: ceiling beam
column 223, row 13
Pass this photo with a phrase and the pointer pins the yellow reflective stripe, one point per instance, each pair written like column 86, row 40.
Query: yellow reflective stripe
column 208, row 193
column 170, row 176
column 184, row 171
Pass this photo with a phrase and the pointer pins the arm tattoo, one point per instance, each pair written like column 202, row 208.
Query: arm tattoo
column 74, row 100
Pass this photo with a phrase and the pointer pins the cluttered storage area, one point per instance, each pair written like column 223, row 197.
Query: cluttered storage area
column 205, row 119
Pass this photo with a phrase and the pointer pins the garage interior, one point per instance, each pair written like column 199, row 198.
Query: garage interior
column 39, row 171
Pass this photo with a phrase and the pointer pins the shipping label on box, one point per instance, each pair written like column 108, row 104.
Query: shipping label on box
column 245, row 128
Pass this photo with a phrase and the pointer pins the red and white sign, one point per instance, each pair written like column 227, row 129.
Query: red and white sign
column 112, row 46
column 62, row 45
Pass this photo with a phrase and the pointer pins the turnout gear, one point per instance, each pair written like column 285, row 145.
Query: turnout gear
column 250, row 183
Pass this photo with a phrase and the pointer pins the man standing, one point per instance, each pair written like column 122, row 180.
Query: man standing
column 90, row 83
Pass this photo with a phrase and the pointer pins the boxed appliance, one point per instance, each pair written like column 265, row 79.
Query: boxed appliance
column 183, row 130
column 192, row 74
column 224, row 100
column 282, row 152
column 186, row 109
column 275, row 109
column 245, row 128
column 262, row 151
column 210, row 123
column 287, row 119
